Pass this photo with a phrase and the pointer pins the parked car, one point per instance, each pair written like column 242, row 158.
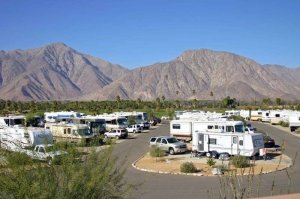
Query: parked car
column 135, row 128
column 269, row 142
column 116, row 133
column 144, row 125
column 168, row 144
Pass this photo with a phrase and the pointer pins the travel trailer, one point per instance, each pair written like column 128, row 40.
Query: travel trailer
column 256, row 115
column 69, row 131
column 214, row 144
column 294, row 122
column 266, row 116
column 21, row 137
column 183, row 129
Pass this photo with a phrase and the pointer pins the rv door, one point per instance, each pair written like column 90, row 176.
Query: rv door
column 234, row 145
column 205, row 142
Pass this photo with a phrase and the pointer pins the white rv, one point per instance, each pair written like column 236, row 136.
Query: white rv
column 21, row 137
column 54, row 116
column 69, row 131
column 114, row 121
column 266, row 116
column 294, row 122
column 183, row 129
column 213, row 144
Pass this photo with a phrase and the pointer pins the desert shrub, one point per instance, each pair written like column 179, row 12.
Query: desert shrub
column 188, row 167
column 284, row 124
column 156, row 152
column 223, row 168
column 240, row 161
column 109, row 141
column 210, row 162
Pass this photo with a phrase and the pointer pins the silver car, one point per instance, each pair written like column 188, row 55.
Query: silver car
column 168, row 144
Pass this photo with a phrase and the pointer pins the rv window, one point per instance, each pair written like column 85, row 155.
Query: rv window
column 216, row 127
column 241, row 142
column 210, row 127
column 176, row 126
column 65, row 131
column 234, row 140
column 259, row 113
column 47, row 127
column 277, row 115
column 239, row 128
column 69, row 130
column 164, row 141
column 267, row 114
column 229, row 129
column 212, row 141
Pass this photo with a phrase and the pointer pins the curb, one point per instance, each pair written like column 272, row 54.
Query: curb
column 192, row 174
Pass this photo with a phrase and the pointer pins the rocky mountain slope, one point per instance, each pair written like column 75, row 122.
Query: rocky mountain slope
column 195, row 74
column 57, row 72
column 53, row 72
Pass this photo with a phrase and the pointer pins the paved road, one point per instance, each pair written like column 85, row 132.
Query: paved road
column 154, row 185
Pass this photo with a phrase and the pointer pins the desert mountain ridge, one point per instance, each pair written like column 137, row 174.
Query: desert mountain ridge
column 58, row 72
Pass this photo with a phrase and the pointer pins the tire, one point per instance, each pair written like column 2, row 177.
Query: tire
column 171, row 151
column 208, row 154
column 214, row 154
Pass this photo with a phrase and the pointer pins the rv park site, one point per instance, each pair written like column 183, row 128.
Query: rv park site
column 216, row 145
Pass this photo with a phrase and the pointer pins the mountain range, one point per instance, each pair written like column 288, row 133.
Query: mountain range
column 58, row 72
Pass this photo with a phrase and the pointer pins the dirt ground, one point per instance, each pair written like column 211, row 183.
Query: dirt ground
column 172, row 163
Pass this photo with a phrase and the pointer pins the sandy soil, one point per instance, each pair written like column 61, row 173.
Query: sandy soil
column 171, row 164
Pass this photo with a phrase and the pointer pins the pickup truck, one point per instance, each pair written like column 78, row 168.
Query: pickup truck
column 168, row 144
column 45, row 153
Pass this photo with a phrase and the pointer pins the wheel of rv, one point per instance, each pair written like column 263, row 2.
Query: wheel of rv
column 208, row 154
column 171, row 151
column 214, row 154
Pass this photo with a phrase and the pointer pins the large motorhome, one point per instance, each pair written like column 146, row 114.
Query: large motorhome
column 113, row 121
column 183, row 129
column 212, row 144
column 69, row 131
column 96, row 125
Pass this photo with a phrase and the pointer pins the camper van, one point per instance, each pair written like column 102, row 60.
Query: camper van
column 69, row 131
column 214, row 144
column 182, row 129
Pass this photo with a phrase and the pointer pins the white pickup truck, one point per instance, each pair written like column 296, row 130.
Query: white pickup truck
column 45, row 153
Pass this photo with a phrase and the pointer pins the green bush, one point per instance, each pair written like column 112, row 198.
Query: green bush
column 240, row 161
column 284, row 124
column 188, row 167
column 210, row 162
column 157, row 152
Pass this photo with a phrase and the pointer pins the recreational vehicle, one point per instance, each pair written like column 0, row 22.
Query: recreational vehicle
column 13, row 120
column 20, row 137
column 214, row 144
column 69, row 131
column 266, row 116
column 183, row 129
column 97, row 126
column 294, row 122
column 113, row 121
column 256, row 115
column 54, row 116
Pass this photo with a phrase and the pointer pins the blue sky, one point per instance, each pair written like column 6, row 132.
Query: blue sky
column 136, row 33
